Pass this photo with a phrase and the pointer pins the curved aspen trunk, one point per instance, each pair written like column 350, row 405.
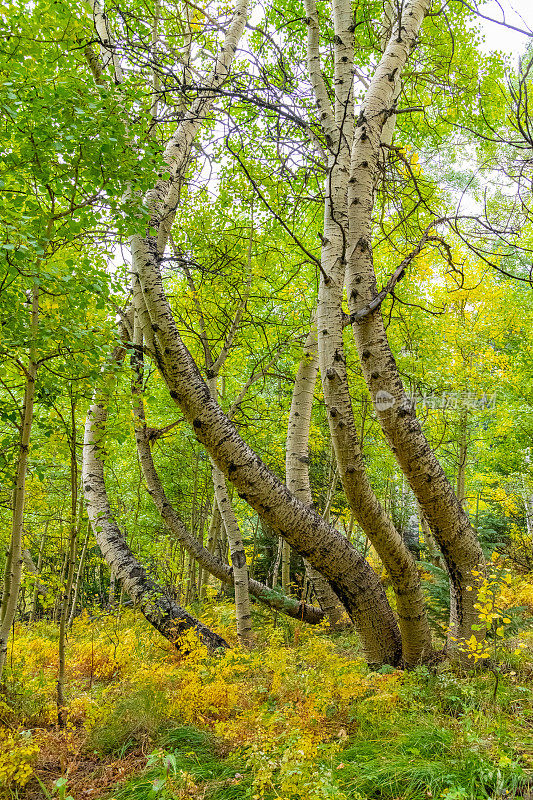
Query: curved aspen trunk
column 219, row 570
column 297, row 461
column 368, row 511
column 231, row 526
column 338, row 126
column 15, row 558
column 448, row 521
column 163, row 198
column 204, row 556
column 223, row 500
column 352, row 578
column 161, row 611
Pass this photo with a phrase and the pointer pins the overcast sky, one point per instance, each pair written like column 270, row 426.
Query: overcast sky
column 517, row 12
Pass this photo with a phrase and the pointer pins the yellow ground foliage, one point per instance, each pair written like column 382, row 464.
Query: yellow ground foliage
column 519, row 592
column 288, row 705
column 17, row 754
column 261, row 699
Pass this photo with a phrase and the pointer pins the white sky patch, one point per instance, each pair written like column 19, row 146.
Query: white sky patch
column 497, row 37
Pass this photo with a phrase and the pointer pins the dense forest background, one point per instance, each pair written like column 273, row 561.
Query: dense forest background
column 266, row 393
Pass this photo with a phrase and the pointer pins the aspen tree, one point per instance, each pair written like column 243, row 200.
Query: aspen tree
column 38, row 587
column 337, row 121
column 214, row 365
column 356, row 154
column 447, row 519
column 160, row 610
column 205, row 556
column 297, row 460
column 363, row 592
column 351, row 576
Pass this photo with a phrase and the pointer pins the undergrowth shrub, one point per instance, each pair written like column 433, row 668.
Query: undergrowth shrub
column 139, row 716
column 300, row 717
column 18, row 753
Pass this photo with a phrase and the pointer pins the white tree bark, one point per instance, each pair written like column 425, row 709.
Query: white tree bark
column 229, row 520
column 529, row 518
column 236, row 546
column 370, row 515
column 204, row 555
column 161, row 611
column 447, row 519
column 238, row 558
column 350, row 575
column 162, row 199
column 243, row 585
column 297, row 461
column 108, row 51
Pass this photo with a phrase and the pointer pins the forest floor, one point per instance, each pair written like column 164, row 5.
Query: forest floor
column 299, row 717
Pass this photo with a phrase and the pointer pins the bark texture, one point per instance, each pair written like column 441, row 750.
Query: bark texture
column 352, row 578
column 108, row 49
column 297, row 461
column 238, row 558
column 350, row 575
column 448, row 521
column 161, row 611
column 204, row 556
column 227, row 515
column 164, row 196
column 338, row 126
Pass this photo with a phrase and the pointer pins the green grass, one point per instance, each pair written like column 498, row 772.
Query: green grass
column 425, row 761
column 134, row 719
column 445, row 738
column 427, row 734
column 188, row 750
